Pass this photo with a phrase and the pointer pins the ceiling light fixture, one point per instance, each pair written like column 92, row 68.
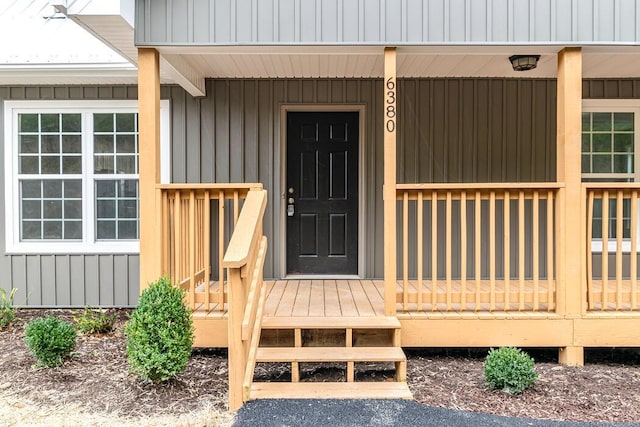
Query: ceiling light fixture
column 524, row 62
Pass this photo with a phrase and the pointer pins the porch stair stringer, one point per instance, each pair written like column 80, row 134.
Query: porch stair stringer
column 347, row 340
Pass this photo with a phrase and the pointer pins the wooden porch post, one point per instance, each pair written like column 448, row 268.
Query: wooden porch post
column 389, row 189
column 149, row 151
column 571, row 262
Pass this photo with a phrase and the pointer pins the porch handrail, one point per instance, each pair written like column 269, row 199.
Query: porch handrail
column 185, row 231
column 443, row 289
column 616, row 200
column 244, row 261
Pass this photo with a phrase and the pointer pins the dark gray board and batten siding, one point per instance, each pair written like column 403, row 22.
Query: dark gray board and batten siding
column 380, row 22
column 469, row 130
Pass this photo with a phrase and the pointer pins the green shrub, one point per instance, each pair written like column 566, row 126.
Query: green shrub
column 159, row 333
column 509, row 369
column 92, row 321
column 7, row 310
column 49, row 340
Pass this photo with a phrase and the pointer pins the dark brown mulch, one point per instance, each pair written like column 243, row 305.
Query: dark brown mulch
column 96, row 378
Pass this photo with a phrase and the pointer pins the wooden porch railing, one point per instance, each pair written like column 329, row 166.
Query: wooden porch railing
column 186, row 211
column 471, row 251
column 244, row 260
column 612, row 246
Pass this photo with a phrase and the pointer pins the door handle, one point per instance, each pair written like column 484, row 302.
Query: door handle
column 290, row 210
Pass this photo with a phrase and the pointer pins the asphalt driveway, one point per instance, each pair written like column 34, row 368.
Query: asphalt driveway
column 352, row 413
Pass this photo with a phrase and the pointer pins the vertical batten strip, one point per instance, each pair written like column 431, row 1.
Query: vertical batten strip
column 220, row 250
column 492, row 250
column 419, row 242
column 448, row 249
column 463, row 250
column 619, row 220
column 535, row 248
column 521, row 249
column 605, row 250
column 550, row 253
column 405, row 251
column 192, row 248
column 478, row 266
column 633, row 261
column 507, row 250
column 207, row 248
column 434, row 250
column 590, row 204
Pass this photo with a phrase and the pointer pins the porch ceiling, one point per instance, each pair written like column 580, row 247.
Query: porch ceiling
column 368, row 61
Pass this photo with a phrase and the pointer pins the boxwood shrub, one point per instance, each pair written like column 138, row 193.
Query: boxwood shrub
column 509, row 369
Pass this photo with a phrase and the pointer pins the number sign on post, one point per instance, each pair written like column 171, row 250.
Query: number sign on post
column 389, row 190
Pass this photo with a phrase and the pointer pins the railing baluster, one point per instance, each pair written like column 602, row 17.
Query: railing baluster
column 550, row 277
column 590, row 204
column 492, row 250
column 605, row 250
column 405, row 251
column 521, row 234
column 419, row 244
column 236, row 208
column 507, row 249
column 535, row 248
column 434, row 250
column 619, row 219
column 221, row 201
column 192, row 249
column 633, row 266
column 179, row 239
column 463, row 250
column 448, row 249
column 207, row 249
column 477, row 249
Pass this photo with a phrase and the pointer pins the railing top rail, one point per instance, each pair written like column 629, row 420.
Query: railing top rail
column 212, row 186
column 611, row 185
column 251, row 214
column 481, row 186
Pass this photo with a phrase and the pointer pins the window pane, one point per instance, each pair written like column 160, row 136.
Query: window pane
column 106, row 230
column 126, row 164
column 71, row 165
column 103, row 122
column 586, row 164
column 28, row 143
column 103, row 144
column 126, row 144
column 73, row 230
column 125, row 122
column 29, row 165
column 623, row 121
column 27, row 123
column 52, row 230
column 602, row 142
column 105, row 188
column 127, row 230
column 73, row 209
column 103, row 164
column 71, row 144
column 52, row 189
column 31, row 230
column 52, row 209
column 50, row 144
column 586, row 142
column 50, row 123
column 586, row 121
column 128, row 188
column 73, row 189
column 31, row 209
column 127, row 209
column 106, row 208
column 71, row 123
column 601, row 163
column 51, row 164
column 623, row 163
column 31, row 189
column 601, row 121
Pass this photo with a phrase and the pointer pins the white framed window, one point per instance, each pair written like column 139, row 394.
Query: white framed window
column 71, row 175
column 611, row 153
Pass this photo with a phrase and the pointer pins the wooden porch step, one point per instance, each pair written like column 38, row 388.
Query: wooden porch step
column 331, row 390
column 330, row 354
column 363, row 322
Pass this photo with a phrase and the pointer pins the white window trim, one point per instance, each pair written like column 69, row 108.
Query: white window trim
column 87, row 246
column 615, row 106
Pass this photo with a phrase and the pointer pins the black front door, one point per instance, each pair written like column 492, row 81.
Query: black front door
column 322, row 193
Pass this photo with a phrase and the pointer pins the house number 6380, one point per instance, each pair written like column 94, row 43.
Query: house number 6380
column 390, row 106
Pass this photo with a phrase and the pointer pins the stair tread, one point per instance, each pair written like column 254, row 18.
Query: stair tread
column 362, row 322
column 330, row 354
column 330, row 390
